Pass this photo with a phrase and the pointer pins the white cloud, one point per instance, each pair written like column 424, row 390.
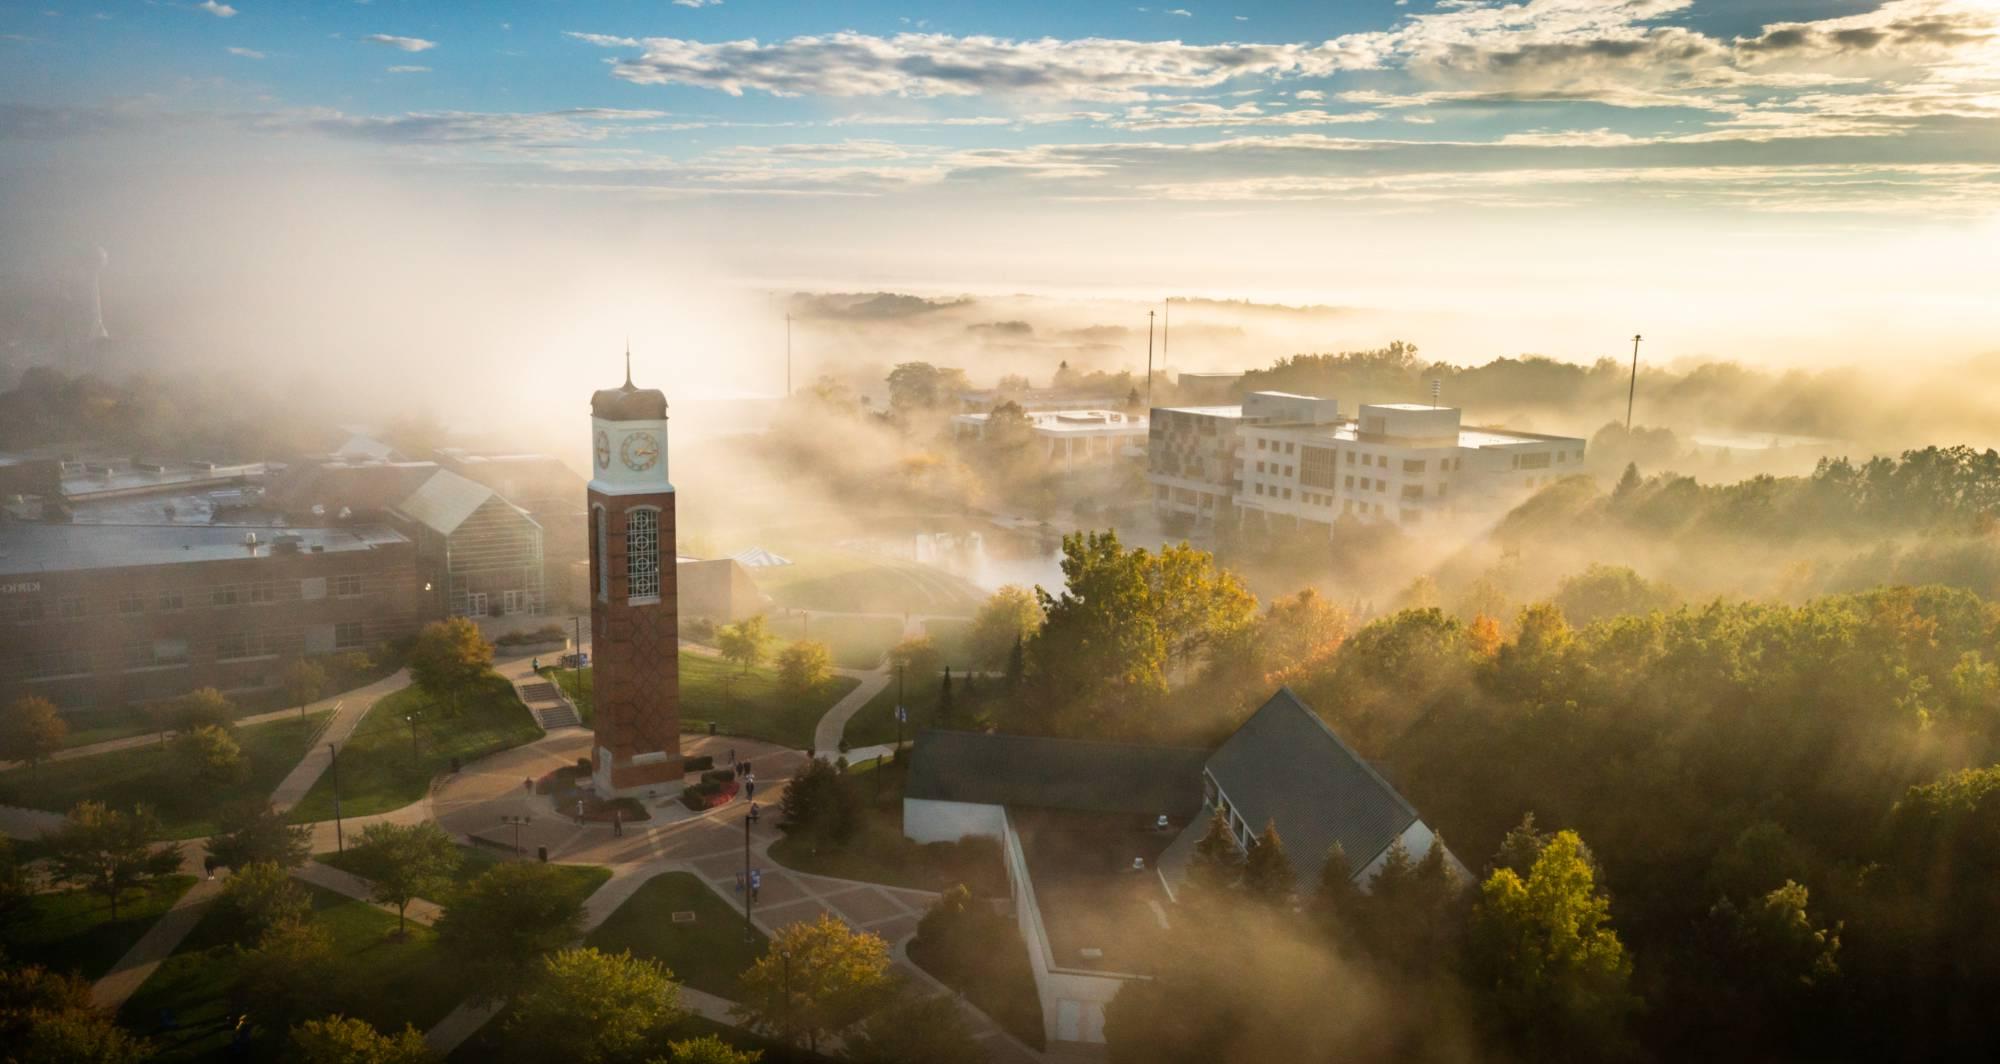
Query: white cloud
column 932, row 64
column 246, row 53
column 407, row 44
column 217, row 9
column 1180, row 12
column 1194, row 115
column 1309, row 94
column 409, row 70
column 697, row 3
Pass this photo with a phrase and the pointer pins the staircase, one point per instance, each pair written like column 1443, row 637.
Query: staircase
column 545, row 700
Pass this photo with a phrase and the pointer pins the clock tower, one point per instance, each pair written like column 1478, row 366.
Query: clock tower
column 634, row 620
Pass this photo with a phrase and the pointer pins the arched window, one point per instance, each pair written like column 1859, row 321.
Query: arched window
column 600, row 568
column 642, row 553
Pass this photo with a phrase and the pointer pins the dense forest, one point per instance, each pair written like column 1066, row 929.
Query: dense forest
column 1774, row 823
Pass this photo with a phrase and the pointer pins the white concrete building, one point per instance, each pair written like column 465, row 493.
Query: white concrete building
column 1302, row 466
column 1071, row 438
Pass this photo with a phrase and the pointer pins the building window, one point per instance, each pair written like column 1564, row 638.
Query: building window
column 1288, row 448
column 1413, row 491
column 263, row 591
column 1535, row 461
column 598, row 561
column 642, row 553
column 131, row 602
column 1260, row 467
column 1350, row 458
column 1349, row 480
column 150, row 653
column 170, row 601
column 347, row 586
column 1288, row 493
column 1260, row 488
column 1413, row 465
column 231, row 646
column 226, row 595
column 69, row 606
column 348, row 635
column 1260, row 443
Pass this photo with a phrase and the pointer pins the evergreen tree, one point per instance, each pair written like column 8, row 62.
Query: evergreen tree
column 1016, row 665
column 944, row 700
column 1335, row 898
column 1216, row 861
column 1267, row 872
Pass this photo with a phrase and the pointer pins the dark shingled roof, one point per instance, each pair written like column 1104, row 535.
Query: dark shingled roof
column 629, row 403
column 1286, row 766
column 1020, row 770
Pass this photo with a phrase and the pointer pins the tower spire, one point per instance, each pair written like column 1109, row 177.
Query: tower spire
column 628, row 362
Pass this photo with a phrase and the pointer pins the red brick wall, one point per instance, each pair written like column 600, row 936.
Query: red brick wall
column 635, row 652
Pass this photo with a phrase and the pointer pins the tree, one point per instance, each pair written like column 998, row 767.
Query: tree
column 917, row 657
column 251, row 831
column 1545, row 947
column 594, row 1007
column 816, row 981
column 916, row 1029
column 505, row 921
column 1007, row 617
column 209, row 754
column 944, row 701
column 449, row 659
column 1603, row 591
column 31, row 731
column 803, row 666
column 821, row 803
column 404, row 862
column 922, row 386
column 303, row 682
column 203, row 706
column 745, row 641
column 48, row 1018
column 1217, row 862
column 1267, row 872
column 109, row 852
column 284, row 979
column 259, row 897
column 17, row 889
column 343, row 1040
column 708, row 1049
column 1017, row 667
column 1336, row 900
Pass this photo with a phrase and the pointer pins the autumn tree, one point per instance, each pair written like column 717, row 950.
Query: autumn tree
column 303, row 681
column 403, row 862
column 448, row 660
column 815, row 982
column 345, row 1040
column 707, row 1049
column 108, row 852
column 210, row 754
column 31, row 730
column 1007, row 617
column 49, row 1018
column 283, row 979
column 252, row 830
column 745, row 642
column 917, row 657
column 500, row 926
column 258, row 897
column 1602, row 591
column 594, row 1007
column 1544, row 945
column 803, row 666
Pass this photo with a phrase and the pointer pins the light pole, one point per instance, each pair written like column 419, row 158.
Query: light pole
column 517, row 821
column 900, row 712
column 339, row 842
column 1632, row 391
column 411, row 719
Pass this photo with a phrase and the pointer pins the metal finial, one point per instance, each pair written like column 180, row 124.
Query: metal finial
column 628, row 362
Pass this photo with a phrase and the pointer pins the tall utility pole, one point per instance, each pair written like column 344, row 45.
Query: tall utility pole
column 749, row 932
column 1632, row 390
column 1166, row 330
column 1149, row 359
column 788, row 356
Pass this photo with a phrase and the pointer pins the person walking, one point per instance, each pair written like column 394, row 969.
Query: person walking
column 617, row 823
column 579, row 812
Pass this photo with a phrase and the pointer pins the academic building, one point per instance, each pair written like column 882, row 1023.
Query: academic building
column 1292, row 462
column 93, row 616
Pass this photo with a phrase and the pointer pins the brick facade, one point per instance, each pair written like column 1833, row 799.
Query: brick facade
column 635, row 650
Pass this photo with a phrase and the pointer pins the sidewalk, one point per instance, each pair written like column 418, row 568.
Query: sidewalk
column 348, row 711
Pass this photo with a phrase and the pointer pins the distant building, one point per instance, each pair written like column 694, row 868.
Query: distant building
column 551, row 493
column 1293, row 463
column 1071, row 438
column 986, row 399
column 481, row 554
column 1093, row 876
column 99, row 615
column 1206, row 387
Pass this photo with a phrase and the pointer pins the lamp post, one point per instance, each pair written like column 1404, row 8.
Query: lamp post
column 517, row 821
column 749, row 933
column 900, row 711
column 339, row 842
column 411, row 719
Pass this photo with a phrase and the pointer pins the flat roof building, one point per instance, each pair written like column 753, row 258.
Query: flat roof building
column 100, row 615
column 1071, row 438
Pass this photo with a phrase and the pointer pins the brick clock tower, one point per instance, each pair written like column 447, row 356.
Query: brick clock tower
column 634, row 621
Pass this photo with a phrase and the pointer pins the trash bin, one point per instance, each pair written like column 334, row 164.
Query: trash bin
column 711, row 727
column 542, row 854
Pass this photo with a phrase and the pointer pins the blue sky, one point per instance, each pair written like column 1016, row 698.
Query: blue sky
column 1484, row 152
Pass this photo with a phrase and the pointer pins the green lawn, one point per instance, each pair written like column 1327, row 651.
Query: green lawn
column 73, row 931
column 878, row 852
column 707, row 954
column 859, row 582
column 95, row 725
column 151, row 775
column 386, row 981
column 580, row 880
column 746, row 704
column 379, row 770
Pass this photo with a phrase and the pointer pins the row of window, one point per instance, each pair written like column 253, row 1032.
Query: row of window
column 173, row 652
column 1273, row 445
column 132, row 601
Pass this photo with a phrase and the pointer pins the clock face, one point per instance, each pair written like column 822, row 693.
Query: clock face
column 640, row 451
column 603, row 450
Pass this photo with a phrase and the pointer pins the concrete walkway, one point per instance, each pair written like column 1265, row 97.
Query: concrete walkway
column 340, row 881
column 347, row 713
column 833, row 724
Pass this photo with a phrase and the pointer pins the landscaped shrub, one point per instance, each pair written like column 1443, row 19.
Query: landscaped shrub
column 699, row 764
column 701, row 630
column 709, row 793
column 720, row 775
column 548, row 633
